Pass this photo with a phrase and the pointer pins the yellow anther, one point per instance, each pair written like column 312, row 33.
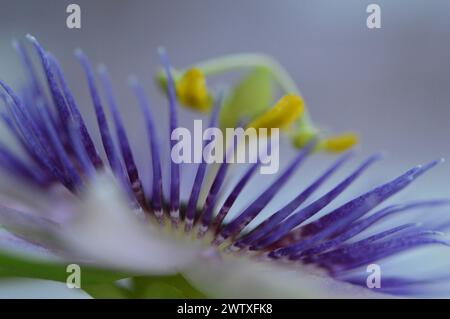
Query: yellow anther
column 287, row 110
column 192, row 90
column 339, row 143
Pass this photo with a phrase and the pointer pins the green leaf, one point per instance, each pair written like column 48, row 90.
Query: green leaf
column 107, row 291
column 249, row 98
column 17, row 266
column 161, row 290
column 174, row 286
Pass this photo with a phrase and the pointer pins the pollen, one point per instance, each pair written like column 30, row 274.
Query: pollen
column 340, row 143
column 192, row 90
column 285, row 112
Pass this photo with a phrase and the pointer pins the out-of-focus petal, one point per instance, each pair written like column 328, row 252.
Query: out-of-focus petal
column 244, row 278
column 15, row 245
column 108, row 232
column 32, row 228
column 52, row 203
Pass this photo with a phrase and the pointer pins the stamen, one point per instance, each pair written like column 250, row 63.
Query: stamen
column 339, row 143
column 288, row 109
column 192, row 91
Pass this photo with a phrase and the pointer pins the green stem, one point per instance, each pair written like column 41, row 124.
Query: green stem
column 246, row 60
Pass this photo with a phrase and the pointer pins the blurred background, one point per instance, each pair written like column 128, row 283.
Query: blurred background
column 391, row 85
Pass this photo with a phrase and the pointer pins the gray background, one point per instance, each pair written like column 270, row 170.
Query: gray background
column 391, row 85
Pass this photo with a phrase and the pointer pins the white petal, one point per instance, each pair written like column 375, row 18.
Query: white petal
column 239, row 277
column 30, row 227
column 109, row 232
column 17, row 246
column 14, row 191
column 49, row 203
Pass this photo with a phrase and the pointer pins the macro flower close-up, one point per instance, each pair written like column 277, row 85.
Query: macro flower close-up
column 215, row 178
